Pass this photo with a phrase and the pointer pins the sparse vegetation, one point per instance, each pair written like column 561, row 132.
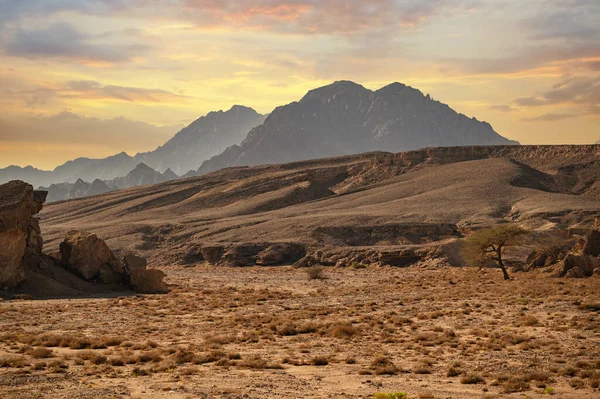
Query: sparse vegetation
column 361, row 325
column 487, row 245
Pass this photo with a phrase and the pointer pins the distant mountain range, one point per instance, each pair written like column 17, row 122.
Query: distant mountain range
column 203, row 138
column 339, row 119
column 141, row 175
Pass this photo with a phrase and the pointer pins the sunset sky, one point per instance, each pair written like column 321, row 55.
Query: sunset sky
column 97, row 77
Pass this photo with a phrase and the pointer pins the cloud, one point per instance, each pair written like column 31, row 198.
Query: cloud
column 85, row 90
column 551, row 117
column 62, row 41
column 73, row 129
column 336, row 17
column 529, row 58
column 501, row 108
column 287, row 16
column 566, row 20
column 89, row 89
column 581, row 91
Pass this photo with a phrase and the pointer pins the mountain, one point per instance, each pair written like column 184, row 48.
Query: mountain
column 346, row 118
column 29, row 174
column 205, row 137
column 169, row 175
column 98, row 187
column 79, row 189
column 141, row 175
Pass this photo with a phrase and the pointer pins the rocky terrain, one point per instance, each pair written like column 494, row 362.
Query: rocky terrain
column 370, row 207
column 203, row 138
column 83, row 265
column 346, row 118
column 372, row 307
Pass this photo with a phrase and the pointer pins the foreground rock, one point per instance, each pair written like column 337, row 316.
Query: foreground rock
column 88, row 256
column 19, row 230
column 144, row 281
column 85, row 263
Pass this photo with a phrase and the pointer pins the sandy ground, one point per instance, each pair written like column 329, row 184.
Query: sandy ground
column 275, row 333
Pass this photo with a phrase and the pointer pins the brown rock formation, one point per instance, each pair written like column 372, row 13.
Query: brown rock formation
column 88, row 256
column 85, row 254
column 19, row 231
column 581, row 259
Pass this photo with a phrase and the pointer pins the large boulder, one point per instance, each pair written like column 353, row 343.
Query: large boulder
column 577, row 266
column 144, row 281
column 19, row 231
column 592, row 243
column 148, row 281
column 85, row 254
column 12, row 249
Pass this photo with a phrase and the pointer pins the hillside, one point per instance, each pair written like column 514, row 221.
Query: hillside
column 346, row 118
column 371, row 199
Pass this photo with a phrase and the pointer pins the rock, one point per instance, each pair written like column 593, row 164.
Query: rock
column 12, row 249
column 592, row 243
column 241, row 255
column 577, row 266
column 132, row 262
column 597, row 271
column 19, row 231
column 401, row 258
column 84, row 253
column 148, row 281
column 107, row 275
column 212, row 253
column 279, row 254
column 305, row 261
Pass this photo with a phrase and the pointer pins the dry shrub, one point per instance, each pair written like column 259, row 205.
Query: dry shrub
column 472, row 379
column 213, row 356
column 219, row 340
column 12, row 361
column 453, row 372
column 423, row 367
column 92, row 357
column 316, row 273
column 383, row 366
column 342, row 330
column 319, row 361
column 40, row 353
column 515, row 384
column 257, row 363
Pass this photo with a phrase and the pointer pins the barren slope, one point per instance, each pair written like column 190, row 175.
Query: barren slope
column 323, row 201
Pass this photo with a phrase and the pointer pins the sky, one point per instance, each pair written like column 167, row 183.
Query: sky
column 97, row 77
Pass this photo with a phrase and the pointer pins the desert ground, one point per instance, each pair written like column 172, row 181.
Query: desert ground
column 280, row 332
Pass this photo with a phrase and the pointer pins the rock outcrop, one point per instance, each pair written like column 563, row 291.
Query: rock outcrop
column 144, row 281
column 89, row 257
column 84, row 259
column 86, row 255
column 19, row 230
column 579, row 260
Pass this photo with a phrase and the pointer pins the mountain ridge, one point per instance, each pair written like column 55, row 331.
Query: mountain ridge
column 345, row 118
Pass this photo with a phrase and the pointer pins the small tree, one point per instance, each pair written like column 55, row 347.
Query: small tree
column 486, row 246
